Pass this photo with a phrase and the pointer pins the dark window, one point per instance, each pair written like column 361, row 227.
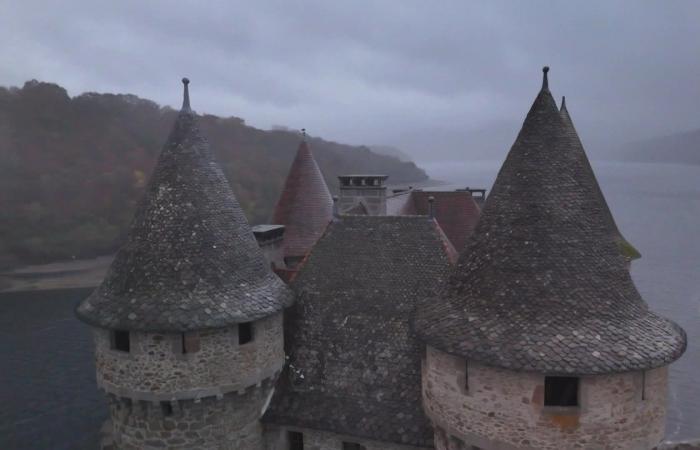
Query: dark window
column 644, row 385
column 296, row 440
column 245, row 332
column 466, row 375
column 560, row 391
column 120, row 340
column 167, row 408
column 190, row 342
column 353, row 446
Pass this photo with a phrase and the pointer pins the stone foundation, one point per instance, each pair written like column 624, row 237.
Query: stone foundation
column 503, row 409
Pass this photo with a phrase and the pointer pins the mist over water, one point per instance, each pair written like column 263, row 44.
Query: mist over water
column 657, row 208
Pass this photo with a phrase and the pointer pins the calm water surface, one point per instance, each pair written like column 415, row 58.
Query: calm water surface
column 47, row 384
column 657, row 208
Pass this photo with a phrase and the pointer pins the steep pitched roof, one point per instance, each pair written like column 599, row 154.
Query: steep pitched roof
column 626, row 248
column 542, row 285
column 190, row 260
column 305, row 206
column 455, row 211
column 354, row 362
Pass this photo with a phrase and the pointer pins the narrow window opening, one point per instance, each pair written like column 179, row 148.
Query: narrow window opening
column 189, row 342
column 120, row 340
column 644, row 385
column 245, row 332
column 466, row 375
column 353, row 446
column 167, row 408
column 561, row 391
column 296, row 440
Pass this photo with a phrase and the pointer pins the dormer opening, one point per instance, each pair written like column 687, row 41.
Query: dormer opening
column 245, row 333
column 561, row 391
column 120, row 340
column 190, row 342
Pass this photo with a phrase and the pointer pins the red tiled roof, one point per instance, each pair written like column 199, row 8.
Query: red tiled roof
column 455, row 211
column 305, row 206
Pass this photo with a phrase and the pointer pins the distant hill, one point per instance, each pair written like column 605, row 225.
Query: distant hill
column 675, row 148
column 388, row 150
column 72, row 169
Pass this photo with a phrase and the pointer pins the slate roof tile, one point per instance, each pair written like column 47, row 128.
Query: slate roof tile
column 190, row 260
column 542, row 285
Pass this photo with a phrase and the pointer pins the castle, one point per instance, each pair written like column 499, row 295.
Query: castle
column 406, row 320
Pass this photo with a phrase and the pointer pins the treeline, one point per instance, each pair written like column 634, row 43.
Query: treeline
column 72, row 169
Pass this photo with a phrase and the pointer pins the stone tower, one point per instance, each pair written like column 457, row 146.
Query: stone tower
column 305, row 206
column 188, row 320
column 540, row 339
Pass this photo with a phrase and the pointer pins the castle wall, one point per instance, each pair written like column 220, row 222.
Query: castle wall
column 230, row 422
column 505, row 410
column 276, row 439
column 156, row 369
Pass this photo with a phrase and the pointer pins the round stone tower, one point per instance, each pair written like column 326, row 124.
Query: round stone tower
column 540, row 339
column 188, row 320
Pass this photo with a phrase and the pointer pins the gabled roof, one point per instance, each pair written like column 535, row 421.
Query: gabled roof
column 354, row 362
column 542, row 285
column 455, row 211
column 190, row 260
column 626, row 248
column 305, row 206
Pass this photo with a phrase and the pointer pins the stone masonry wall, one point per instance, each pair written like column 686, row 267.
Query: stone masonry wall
column 155, row 368
column 504, row 410
column 276, row 439
column 231, row 422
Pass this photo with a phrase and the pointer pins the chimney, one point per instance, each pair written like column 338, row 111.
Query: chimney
column 336, row 215
column 368, row 190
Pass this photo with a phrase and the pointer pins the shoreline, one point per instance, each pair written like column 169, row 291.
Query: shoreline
column 73, row 274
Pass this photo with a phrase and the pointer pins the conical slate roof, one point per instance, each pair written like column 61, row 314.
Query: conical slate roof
column 305, row 206
column 542, row 285
column 626, row 248
column 190, row 260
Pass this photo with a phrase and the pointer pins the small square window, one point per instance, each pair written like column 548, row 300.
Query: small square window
column 245, row 332
column 561, row 391
column 120, row 341
column 166, row 408
column 296, row 440
column 353, row 446
column 190, row 342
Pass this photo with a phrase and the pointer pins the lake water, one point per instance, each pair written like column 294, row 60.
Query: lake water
column 48, row 395
column 657, row 208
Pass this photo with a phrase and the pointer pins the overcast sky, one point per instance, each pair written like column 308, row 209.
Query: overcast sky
column 438, row 79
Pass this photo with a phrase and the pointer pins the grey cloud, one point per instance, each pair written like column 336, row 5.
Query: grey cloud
column 441, row 80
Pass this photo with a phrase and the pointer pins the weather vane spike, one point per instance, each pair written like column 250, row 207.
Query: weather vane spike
column 563, row 102
column 303, row 133
column 186, row 96
column 545, row 81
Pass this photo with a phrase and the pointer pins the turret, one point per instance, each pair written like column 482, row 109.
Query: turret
column 540, row 339
column 305, row 206
column 188, row 320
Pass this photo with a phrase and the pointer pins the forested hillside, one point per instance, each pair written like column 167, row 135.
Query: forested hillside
column 72, row 169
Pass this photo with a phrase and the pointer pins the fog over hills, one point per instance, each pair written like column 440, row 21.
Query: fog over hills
column 674, row 148
column 73, row 169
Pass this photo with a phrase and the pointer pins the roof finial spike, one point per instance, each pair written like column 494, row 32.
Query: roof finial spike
column 303, row 134
column 186, row 96
column 545, row 81
column 563, row 102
